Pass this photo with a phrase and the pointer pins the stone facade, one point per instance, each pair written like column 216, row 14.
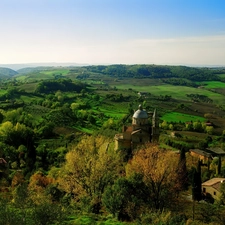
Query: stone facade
column 212, row 187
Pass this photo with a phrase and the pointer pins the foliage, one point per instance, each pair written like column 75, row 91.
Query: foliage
column 162, row 181
column 89, row 168
column 38, row 129
column 196, row 183
column 155, row 71
column 126, row 198
column 50, row 86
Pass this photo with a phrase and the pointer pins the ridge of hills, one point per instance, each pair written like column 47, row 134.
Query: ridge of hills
column 7, row 72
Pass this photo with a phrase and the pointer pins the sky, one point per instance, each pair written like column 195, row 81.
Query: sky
column 164, row 32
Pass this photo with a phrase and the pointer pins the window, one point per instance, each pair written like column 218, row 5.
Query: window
column 214, row 193
column 204, row 190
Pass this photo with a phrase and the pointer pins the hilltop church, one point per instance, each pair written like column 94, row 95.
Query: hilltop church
column 140, row 132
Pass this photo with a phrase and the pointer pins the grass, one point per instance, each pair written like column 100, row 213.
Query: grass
column 27, row 99
column 113, row 113
column 93, row 220
column 182, row 117
column 29, row 87
column 43, row 75
column 177, row 92
column 56, row 72
column 221, row 75
column 213, row 84
column 84, row 129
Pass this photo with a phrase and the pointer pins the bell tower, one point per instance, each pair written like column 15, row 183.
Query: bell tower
column 155, row 127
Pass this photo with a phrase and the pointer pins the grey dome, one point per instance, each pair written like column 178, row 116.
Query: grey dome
column 140, row 114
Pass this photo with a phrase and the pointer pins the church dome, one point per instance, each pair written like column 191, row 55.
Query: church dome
column 140, row 113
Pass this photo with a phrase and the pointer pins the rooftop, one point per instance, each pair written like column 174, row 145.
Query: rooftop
column 214, row 182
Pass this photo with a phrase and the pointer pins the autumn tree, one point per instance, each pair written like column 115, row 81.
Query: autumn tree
column 43, row 188
column 90, row 167
column 158, row 167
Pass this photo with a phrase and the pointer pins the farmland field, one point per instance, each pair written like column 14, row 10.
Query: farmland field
column 181, row 117
column 178, row 92
column 213, row 84
column 222, row 75
column 56, row 72
column 29, row 87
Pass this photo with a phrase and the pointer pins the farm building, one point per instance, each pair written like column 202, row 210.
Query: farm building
column 212, row 187
column 140, row 132
column 208, row 154
column 202, row 155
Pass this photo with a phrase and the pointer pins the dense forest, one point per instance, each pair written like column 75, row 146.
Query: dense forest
column 58, row 161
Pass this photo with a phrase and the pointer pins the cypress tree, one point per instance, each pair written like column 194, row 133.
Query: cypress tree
column 197, row 183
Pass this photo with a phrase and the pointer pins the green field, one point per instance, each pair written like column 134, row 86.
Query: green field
column 56, row 72
column 222, row 75
column 181, row 117
column 213, row 84
column 177, row 92
column 113, row 112
column 42, row 75
column 29, row 87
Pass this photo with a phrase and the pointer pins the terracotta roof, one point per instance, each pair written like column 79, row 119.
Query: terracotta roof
column 214, row 182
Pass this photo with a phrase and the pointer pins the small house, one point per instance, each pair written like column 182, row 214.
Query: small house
column 212, row 188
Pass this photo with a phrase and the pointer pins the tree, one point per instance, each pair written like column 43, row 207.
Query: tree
column 12, row 116
column 161, row 180
column 74, row 106
column 170, row 126
column 182, row 172
column 197, row 183
column 125, row 198
column 208, row 115
column 164, row 125
column 209, row 129
column 89, row 168
column 197, row 126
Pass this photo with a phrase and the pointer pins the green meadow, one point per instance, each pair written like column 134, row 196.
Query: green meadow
column 213, row 84
column 222, row 75
column 112, row 112
column 56, row 72
column 42, row 75
column 181, row 117
column 178, row 92
column 28, row 87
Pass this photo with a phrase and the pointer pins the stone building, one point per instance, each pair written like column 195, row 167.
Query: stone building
column 212, row 187
column 141, row 131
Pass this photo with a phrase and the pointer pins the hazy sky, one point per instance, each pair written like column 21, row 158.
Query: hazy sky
column 187, row 32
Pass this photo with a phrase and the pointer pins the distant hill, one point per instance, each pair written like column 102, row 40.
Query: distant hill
column 27, row 70
column 33, row 65
column 157, row 72
column 7, row 73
